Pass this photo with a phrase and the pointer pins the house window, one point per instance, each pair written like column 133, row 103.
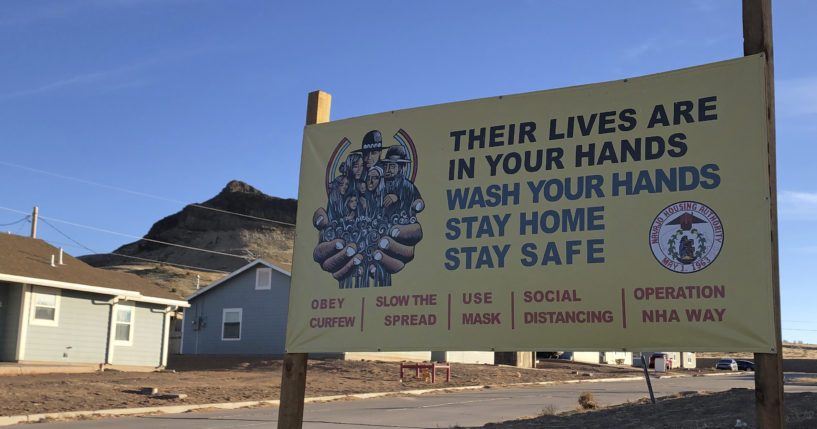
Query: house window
column 45, row 303
column 231, row 324
column 123, row 333
column 263, row 278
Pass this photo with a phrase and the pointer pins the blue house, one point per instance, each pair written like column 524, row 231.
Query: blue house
column 56, row 308
column 244, row 313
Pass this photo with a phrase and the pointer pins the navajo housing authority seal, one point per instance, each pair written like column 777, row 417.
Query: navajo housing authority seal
column 686, row 236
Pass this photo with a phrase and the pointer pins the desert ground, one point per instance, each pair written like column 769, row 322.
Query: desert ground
column 238, row 379
column 208, row 380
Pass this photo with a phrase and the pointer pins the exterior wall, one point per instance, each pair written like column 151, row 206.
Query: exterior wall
column 263, row 316
column 464, row 357
column 147, row 331
column 679, row 359
column 613, row 358
column 81, row 334
column 688, row 360
column 458, row 357
column 10, row 295
column 587, row 357
column 389, row 356
column 470, row 357
column 175, row 341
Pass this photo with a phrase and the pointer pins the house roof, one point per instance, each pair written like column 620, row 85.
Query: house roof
column 28, row 260
column 236, row 273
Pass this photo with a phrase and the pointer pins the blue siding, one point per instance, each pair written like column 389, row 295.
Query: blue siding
column 82, row 333
column 80, row 336
column 147, row 331
column 10, row 294
column 264, row 315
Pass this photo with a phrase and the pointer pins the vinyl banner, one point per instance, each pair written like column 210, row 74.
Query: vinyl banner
column 627, row 215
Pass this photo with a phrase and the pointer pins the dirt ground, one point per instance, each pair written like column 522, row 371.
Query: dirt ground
column 700, row 410
column 790, row 351
column 237, row 379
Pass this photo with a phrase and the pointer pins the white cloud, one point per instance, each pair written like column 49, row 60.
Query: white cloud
column 797, row 205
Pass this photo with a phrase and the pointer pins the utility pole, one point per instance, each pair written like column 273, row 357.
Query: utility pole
column 34, row 215
column 293, row 377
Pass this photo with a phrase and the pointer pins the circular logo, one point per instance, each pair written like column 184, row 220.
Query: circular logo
column 686, row 237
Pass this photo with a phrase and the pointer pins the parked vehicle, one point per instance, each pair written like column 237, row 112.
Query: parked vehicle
column 745, row 365
column 727, row 364
column 666, row 356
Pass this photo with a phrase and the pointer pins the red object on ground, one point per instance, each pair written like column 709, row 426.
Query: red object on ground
column 431, row 366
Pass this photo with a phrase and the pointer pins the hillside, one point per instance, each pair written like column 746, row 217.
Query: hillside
column 268, row 234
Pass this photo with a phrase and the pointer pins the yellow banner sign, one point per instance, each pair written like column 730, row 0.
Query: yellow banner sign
column 625, row 215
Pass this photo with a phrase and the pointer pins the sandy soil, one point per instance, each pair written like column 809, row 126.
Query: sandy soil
column 790, row 351
column 701, row 410
column 211, row 380
column 236, row 379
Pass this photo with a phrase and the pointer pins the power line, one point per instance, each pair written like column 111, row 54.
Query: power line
column 169, row 263
column 241, row 214
column 93, row 228
column 89, row 182
column 15, row 222
column 129, row 256
column 141, row 194
column 66, row 236
column 13, row 210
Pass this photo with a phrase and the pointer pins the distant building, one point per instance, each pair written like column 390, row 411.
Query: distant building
column 242, row 313
column 687, row 360
column 612, row 358
column 56, row 308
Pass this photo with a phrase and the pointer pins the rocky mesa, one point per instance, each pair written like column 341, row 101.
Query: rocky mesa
column 237, row 226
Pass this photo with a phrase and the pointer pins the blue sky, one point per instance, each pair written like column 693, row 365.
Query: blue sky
column 154, row 104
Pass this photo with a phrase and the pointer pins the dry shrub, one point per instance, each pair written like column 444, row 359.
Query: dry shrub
column 548, row 411
column 587, row 401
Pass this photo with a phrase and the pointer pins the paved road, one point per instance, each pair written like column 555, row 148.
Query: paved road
column 472, row 408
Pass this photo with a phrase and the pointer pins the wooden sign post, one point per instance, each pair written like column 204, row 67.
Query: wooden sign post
column 757, row 38
column 293, row 377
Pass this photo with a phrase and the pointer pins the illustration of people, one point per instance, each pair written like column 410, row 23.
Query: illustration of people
column 370, row 149
column 375, row 192
column 369, row 230
column 353, row 167
column 402, row 197
column 338, row 191
column 686, row 250
column 351, row 206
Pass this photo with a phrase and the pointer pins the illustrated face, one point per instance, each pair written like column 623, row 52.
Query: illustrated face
column 343, row 186
column 352, row 204
column 371, row 158
column 390, row 170
column 361, row 186
column 372, row 180
column 357, row 168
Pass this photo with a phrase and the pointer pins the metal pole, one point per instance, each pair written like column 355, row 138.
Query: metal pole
column 647, row 377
